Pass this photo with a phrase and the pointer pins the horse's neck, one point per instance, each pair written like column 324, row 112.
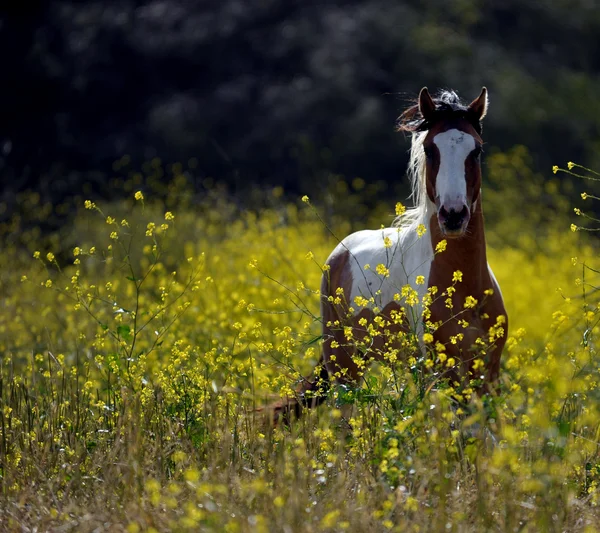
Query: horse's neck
column 467, row 254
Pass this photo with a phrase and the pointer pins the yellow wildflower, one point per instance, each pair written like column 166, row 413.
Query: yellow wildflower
column 441, row 246
column 382, row 270
column 427, row 338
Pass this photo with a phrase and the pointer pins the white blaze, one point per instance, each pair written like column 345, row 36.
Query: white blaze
column 451, row 184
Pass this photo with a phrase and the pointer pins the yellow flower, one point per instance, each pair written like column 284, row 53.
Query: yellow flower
column 574, row 228
column 421, row 229
column 427, row 338
column 584, row 195
column 89, row 204
column 382, row 270
column 570, row 165
column 139, row 195
column 441, row 246
column 420, row 280
column 76, row 251
column 457, row 276
column 387, row 242
column 305, row 199
column 555, row 169
column 169, row 216
column 577, row 211
column 470, row 302
column 400, row 209
column 36, row 255
column 110, row 220
column 114, row 235
column 50, row 257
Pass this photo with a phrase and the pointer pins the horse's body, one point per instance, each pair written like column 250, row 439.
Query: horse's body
column 389, row 273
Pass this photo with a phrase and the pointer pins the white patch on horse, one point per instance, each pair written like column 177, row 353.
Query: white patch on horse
column 451, row 185
column 408, row 256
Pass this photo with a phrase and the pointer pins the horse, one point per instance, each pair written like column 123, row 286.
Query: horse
column 427, row 273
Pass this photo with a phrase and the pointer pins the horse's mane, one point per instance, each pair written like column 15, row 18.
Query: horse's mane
column 447, row 105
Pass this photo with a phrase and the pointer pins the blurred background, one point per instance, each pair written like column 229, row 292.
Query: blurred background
column 281, row 93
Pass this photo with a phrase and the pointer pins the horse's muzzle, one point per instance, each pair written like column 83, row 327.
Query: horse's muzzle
column 453, row 222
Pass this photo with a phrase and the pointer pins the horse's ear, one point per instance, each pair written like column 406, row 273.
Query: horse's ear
column 479, row 106
column 426, row 104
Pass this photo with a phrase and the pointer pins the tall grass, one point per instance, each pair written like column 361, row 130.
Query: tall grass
column 136, row 344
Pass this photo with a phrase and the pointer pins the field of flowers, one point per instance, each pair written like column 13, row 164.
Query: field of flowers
column 138, row 340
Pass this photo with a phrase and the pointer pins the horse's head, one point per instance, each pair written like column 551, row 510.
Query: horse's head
column 452, row 148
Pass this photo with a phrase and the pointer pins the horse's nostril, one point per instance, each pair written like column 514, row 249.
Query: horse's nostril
column 453, row 219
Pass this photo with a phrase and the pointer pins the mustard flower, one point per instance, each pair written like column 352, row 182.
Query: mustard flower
column 421, row 229
column 555, row 169
column 584, row 195
column 169, row 216
column 457, row 276
column 382, row 270
column 89, row 204
column 570, row 165
column 441, row 246
column 574, row 228
column 400, row 209
column 427, row 338
column 139, row 195
column 387, row 242
column 50, row 257
column 305, row 199
column 420, row 280
column 470, row 302
column 36, row 254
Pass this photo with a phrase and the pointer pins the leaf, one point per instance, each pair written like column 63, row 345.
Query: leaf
column 124, row 331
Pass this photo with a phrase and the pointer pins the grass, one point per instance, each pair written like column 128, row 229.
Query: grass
column 137, row 342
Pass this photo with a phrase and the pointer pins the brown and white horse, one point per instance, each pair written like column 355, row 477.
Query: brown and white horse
column 389, row 273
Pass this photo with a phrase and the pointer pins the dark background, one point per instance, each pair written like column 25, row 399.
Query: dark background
column 281, row 92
